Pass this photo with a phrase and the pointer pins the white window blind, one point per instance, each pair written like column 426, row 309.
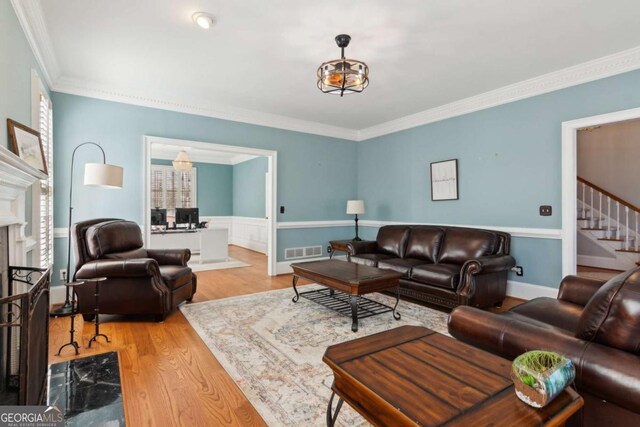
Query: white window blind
column 45, row 236
column 172, row 189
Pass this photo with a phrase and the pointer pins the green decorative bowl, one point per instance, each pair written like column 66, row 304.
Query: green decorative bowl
column 540, row 376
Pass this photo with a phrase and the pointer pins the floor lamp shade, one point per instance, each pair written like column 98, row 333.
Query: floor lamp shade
column 355, row 207
column 103, row 175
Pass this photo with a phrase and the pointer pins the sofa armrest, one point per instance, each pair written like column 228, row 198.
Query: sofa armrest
column 489, row 264
column 578, row 290
column 139, row 267
column 362, row 247
column 606, row 372
column 170, row 256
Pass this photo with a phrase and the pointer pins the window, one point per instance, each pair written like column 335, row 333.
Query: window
column 45, row 187
column 172, row 189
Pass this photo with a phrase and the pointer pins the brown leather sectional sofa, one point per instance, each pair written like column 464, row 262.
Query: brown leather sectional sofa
column 448, row 266
column 139, row 281
column 595, row 324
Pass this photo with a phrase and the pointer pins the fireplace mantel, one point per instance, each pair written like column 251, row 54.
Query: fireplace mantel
column 16, row 177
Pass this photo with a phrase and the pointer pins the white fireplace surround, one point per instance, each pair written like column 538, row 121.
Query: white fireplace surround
column 16, row 177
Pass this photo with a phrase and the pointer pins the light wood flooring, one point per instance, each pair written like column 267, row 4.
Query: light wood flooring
column 596, row 273
column 169, row 376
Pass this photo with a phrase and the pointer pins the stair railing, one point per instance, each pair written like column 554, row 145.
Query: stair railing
column 592, row 196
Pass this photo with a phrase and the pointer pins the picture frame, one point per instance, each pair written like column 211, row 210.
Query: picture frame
column 26, row 144
column 444, row 180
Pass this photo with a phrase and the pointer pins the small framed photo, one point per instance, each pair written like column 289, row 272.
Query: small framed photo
column 26, row 143
column 444, row 180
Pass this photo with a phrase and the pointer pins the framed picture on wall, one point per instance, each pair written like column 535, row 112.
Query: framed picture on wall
column 25, row 142
column 444, row 180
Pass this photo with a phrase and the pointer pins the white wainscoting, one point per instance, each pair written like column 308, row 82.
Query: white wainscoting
column 247, row 232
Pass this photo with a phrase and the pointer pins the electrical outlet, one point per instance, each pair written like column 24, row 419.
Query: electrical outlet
column 329, row 249
column 63, row 274
column 519, row 270
column 545, row 210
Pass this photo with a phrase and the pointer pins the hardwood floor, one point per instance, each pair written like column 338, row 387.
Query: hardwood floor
column 169, row 376
column 596, row 273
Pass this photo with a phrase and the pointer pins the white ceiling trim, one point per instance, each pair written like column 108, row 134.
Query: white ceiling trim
column 32, row 22
column 606, row 66
column 166, row 153
column 30, row 16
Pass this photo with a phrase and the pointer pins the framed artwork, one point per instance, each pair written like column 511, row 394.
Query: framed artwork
column 26, row 143
column 444, row 180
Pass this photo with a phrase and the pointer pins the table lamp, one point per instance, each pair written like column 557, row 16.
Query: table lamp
column 355, row 207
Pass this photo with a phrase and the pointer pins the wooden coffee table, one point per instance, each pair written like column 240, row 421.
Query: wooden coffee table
column 413, row 376
column 352, row 281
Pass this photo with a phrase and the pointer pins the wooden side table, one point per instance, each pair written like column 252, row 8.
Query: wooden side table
column 413, row 376
column 340, row 246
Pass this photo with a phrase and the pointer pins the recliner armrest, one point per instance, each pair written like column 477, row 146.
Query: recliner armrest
column 362, row 247
column 170, row 256
column 139, row 267
column 489, row 264
column 578, row 290
column 607, row 372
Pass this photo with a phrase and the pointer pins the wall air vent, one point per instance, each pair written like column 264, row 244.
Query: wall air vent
column 306, row 252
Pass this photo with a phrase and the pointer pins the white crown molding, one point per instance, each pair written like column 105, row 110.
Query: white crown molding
column 618, row 63
column 167, row 153
column 81, row 88
column 31, row 20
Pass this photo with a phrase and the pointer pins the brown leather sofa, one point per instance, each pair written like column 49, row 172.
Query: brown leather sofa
column 139, row 281
column 595, row 324
column 448, row 266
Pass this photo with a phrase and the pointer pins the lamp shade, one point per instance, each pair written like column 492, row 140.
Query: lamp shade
column 355, row 206
column 102, row 175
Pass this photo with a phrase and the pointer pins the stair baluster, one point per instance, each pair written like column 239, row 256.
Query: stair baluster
column 599, row 210
column 609, row 218
column 626, row 240
column 618, row 220
column 591, row 212
column 636, row 231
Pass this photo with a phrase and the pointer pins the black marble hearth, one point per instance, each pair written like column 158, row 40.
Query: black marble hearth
column 88, row 390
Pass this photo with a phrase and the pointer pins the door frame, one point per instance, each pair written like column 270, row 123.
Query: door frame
column 569, row 176
column 272, row 157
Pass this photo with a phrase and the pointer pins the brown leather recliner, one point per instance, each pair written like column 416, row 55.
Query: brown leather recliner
column 139, row 281
column 595, row 324
column 448, row 266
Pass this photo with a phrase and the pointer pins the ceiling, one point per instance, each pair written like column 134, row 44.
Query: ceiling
column 258, row 62
column 199, row 155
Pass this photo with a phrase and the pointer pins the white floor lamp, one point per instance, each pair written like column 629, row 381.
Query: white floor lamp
column 95, row 175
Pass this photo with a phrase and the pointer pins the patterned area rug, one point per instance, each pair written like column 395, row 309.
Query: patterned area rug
column 273, row 349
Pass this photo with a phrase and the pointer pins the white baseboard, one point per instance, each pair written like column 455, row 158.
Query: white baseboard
column 57, row 294
column 529, row 291
column 253, row 245
column 608, row 263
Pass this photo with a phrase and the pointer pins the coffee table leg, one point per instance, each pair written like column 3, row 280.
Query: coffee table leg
column 295, row 281
column 354, row 312
column 396, row 315
column 331, row 418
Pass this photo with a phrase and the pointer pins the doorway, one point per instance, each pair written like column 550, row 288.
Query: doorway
column 224, row 154
column 570, row 201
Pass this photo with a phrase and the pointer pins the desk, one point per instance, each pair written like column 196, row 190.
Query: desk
column 211, row 243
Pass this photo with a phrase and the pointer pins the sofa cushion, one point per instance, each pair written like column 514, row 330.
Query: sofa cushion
column 392, row 240
column 612, row 315
column 113, row 236
column 445, row 276
column 461, row 245
column 369, row 259
column 401, row 265
column 424, row 243
column 561, row 314
column 175, row 276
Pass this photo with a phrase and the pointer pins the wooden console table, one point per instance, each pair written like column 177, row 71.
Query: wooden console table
column 413, row 376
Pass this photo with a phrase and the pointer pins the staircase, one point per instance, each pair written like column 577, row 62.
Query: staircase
column 609, row 222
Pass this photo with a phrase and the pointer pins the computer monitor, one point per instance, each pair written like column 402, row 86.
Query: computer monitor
column 158, row 216
column 187, row 216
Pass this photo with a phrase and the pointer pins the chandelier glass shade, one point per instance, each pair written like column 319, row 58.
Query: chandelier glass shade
column 343, row 76
column 182, row 162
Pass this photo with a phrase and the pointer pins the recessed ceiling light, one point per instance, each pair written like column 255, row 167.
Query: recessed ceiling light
column 203, row 19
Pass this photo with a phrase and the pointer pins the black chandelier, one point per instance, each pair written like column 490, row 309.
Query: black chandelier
column 343, row 76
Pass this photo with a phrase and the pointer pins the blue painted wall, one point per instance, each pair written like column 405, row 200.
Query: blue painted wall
column 215, row 185
column 249, row 188
column 509, row 163
column 120, row 128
